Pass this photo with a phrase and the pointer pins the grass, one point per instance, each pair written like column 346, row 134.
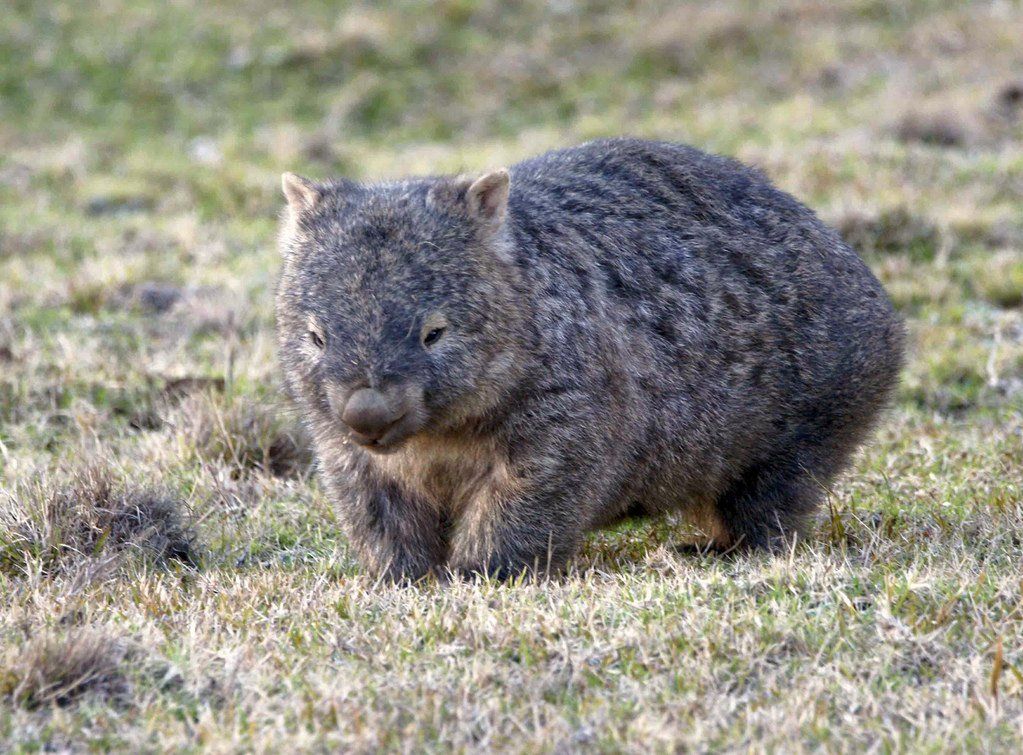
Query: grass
column 58, row 670
column 55, row 527
column 173, row 577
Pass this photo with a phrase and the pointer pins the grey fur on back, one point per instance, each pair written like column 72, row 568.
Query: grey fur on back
column 634, row 327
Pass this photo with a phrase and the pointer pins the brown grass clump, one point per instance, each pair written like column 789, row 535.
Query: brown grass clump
column 939, row 129
column 149, row 297
column 60, row 669
column 895, row 230
column 245, row 435
column 91, row 515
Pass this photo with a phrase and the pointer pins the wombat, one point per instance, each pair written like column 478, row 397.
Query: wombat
column 492, row 366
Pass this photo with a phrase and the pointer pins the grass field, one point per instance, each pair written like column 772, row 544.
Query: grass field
column 171, row 574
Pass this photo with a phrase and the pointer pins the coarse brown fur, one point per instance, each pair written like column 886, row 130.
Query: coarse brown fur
column 492, row 367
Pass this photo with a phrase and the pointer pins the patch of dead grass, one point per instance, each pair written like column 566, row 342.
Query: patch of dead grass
column 91, row 515
column 242, row 434
column 60, row 668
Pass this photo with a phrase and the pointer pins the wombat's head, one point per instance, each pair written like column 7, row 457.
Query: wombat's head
column 396, row 309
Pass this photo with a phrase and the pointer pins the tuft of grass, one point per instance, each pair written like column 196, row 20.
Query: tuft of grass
column 939, row 129
column 90, row 516
column 58, row 669
column 895, row 230
column 242, row 434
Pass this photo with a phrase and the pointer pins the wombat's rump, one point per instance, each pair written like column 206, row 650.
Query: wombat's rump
column 493, row 366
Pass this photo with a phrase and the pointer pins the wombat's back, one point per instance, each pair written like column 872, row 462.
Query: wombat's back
column 744, row 327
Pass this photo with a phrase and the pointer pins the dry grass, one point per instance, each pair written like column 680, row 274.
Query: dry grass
column 140, row 146
column 54, row 527
column 242, row 434
column 58, row 669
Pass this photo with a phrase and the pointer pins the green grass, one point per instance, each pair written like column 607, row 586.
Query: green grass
column 140, row 149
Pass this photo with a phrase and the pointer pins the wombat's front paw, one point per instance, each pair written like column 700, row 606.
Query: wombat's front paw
column 477, row 572
column 402, row 568
column 403, row 574
column 502, row 568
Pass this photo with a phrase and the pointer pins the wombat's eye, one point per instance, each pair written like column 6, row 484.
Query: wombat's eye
column 317, row 340
column 432, row 336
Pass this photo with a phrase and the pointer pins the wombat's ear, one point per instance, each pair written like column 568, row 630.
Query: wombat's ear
column 487, row 197
column 484, row 199
column 301, row 193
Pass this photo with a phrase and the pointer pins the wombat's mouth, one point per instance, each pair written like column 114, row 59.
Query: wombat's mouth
column 378, row 446
column 390, row 441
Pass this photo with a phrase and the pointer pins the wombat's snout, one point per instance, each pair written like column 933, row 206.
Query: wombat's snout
column 370, row 414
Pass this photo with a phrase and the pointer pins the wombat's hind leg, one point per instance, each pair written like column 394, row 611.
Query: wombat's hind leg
column 767, row 507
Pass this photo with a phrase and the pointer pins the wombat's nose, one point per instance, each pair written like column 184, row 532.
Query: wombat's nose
column 369, row 414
